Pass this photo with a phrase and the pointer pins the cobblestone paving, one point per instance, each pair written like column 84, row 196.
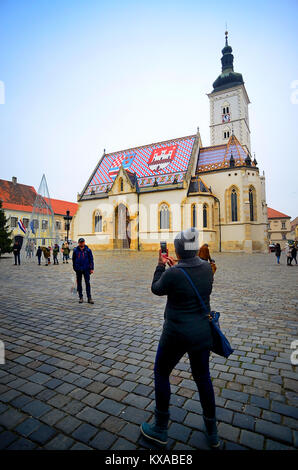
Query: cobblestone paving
column 81, row 376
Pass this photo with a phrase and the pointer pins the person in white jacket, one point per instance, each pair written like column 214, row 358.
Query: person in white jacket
column 289, row 255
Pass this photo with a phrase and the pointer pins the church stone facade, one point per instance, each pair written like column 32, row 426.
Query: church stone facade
column 137, row 197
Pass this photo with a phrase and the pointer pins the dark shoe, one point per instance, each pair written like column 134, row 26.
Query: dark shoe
column 211, row 432
column 158, row 431
column 81, row 300
column 90, row 301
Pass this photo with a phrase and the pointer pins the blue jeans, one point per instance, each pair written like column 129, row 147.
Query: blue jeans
column 278, row 257
column 165, row 361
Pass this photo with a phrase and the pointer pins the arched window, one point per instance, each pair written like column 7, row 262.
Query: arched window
column 226, row 108
column 98, row 222
column 121, row 184
column 205, row 216
column 252, row 203
column 226, row 133
column 234, row 205
column 193, row 215
column 164, row 217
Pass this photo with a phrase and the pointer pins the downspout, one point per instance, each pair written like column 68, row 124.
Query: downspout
column 217, row 200
column 138, row 225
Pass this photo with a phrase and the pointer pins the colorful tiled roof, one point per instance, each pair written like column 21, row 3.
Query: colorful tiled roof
column 162, row 162
column 273, row 214
column 218, row 156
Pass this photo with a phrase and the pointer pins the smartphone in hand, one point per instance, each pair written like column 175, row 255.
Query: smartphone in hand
column 163, row 248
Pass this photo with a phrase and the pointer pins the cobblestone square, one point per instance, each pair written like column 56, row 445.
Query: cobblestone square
column 81, row 376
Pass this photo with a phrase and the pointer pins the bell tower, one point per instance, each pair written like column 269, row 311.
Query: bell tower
column 229, row 104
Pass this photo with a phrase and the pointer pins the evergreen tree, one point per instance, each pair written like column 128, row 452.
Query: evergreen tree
column 5, row 233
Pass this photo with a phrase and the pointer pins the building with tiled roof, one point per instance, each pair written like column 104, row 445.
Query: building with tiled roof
column 139, row 196
column 279, row 227
column 18, row 200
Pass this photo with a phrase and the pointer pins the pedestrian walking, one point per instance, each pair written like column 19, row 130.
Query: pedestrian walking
column 83, row 265
column 38, row 254
column 289, row 255
column 277, row 252
column 65, row 251
column 16, row 251
column 55, row 254
column 294, row 253
column 186, row 329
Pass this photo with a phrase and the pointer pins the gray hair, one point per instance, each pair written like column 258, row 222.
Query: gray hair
column 187, row 243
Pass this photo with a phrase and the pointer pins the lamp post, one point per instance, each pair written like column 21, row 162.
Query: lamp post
column 68, row 219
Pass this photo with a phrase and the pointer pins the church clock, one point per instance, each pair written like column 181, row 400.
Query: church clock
column 226, row 117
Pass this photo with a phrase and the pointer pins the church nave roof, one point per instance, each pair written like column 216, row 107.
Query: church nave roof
column 155, row 164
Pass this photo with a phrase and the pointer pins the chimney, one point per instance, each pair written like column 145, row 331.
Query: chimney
column 14, row 180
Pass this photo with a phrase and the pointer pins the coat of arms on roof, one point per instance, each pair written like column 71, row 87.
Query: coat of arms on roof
column 161, row 157
column 125, row 160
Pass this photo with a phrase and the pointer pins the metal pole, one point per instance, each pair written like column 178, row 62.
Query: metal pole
column 217, row 200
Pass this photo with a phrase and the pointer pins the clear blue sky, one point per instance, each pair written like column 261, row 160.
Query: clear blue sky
column 84, row 75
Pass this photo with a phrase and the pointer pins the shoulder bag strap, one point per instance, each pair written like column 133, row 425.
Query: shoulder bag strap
column 195, row 289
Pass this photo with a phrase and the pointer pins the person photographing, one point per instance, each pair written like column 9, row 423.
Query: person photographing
column 83, row 265
column 186, row 329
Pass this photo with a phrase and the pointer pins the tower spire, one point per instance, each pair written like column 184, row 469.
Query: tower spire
column 228, row 78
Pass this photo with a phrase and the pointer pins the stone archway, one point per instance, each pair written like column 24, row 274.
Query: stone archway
column 122, row 237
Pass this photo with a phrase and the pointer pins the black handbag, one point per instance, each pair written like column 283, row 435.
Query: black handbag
column 221, row 345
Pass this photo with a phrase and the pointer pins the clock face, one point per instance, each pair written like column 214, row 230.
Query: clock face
column 225, row 117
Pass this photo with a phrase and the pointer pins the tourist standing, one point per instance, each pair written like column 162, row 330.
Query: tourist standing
column 16, row 251
column 55, row 254
column 294, row 253
column 277, row 252
column 204, row 253
column 83, row 265
column 186, row 329
column 66, row 251
column 47, row 254
column 289, row 255
column 38, row 254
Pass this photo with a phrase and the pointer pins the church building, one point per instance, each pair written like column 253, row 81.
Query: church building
column 137, row 197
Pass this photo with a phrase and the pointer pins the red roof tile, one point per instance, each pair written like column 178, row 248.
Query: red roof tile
column 273, row 214
column 60, row 207
column 17, row 193
column 21, row 197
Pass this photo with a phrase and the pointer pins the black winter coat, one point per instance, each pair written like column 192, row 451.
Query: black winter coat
column 186, row 322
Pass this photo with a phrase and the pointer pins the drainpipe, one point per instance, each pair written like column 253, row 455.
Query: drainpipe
column 138, row 221
column 217, row 200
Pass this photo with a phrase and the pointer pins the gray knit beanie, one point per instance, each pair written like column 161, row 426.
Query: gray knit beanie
column 187, row 243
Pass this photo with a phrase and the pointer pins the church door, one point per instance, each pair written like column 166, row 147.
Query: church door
column 122, row 230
